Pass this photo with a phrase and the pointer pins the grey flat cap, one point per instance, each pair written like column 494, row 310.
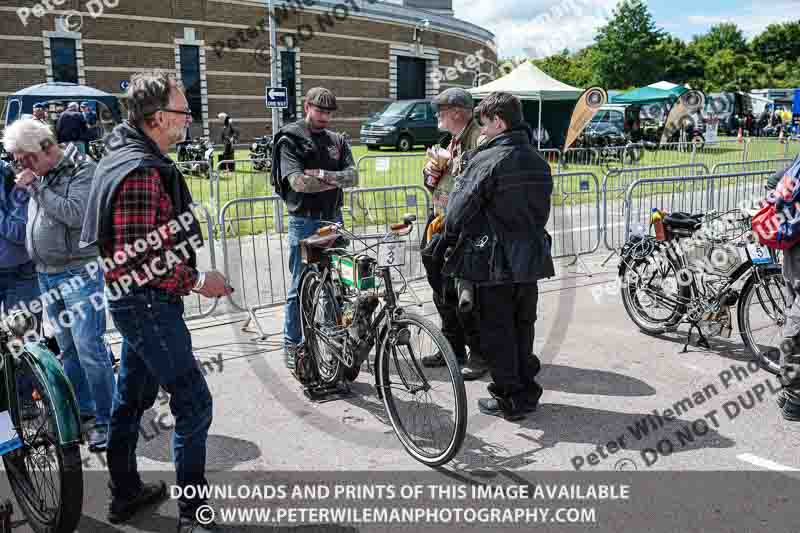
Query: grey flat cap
column 455, row 97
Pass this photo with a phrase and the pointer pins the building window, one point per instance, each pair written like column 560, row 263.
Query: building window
column 288, row 78
column 190, row 75
column 65, row 62
column 410, row 78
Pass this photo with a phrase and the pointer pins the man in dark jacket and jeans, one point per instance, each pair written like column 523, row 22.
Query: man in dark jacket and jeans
column 311, row 167
column 495, row 227
column 140, row 217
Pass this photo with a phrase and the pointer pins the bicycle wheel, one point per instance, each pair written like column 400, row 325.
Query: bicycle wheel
column 761, row 316
column 426, row 406
column 321, row 318
column 45, row 476
column 652, row 294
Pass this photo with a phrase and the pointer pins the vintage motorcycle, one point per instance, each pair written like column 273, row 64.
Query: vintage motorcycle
column 40, row 430
column 261, row 153
column 192, row 155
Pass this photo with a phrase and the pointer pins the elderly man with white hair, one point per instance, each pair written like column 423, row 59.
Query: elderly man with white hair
column 58, row 181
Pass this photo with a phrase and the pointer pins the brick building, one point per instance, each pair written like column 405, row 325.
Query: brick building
column 369, row 52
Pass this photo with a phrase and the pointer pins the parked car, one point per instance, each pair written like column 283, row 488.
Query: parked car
column 403, row 125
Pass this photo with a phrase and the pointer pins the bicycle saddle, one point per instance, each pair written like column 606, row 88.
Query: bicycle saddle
column 683, row 220
column 320, row 242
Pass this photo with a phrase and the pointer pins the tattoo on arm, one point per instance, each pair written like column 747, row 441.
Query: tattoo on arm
column 309, row 184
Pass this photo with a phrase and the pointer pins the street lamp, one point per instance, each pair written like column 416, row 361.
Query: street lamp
column 420, row 27
column 273, row 63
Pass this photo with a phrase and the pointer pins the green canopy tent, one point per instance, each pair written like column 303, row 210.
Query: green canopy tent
column 649, row 95
column 546, row 102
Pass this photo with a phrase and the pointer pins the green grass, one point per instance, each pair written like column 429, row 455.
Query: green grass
column 387, row 167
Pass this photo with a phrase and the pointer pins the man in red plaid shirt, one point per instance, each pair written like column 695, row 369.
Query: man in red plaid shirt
column 139, row 214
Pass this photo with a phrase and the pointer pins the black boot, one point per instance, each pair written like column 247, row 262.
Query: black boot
column 122, row 509
column 508, row 407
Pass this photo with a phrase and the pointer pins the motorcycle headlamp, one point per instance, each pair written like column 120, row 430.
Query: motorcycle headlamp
column 19, row 323
column 254, row 147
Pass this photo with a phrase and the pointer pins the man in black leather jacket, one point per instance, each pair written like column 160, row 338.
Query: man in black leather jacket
column 499, row 249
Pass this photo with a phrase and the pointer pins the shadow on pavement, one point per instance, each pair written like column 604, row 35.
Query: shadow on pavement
column 588, row 381
column 224, row 452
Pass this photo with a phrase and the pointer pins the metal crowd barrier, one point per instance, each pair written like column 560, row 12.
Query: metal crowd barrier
column 616, row 183
column 256, row 260
column 198, row 306
column 671, row 194
column 234, row 179
column 372, row 210
column 199, row 176
column 574, row 222
column 256, row 251
column 390, row 169
column 749, row 166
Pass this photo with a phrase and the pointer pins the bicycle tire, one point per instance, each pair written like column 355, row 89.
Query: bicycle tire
column 647, row 323
column 389, row 350
column 329, row 369
column 66, row 514
column 750, row 289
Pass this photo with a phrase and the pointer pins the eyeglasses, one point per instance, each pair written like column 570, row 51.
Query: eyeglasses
column 178, row 111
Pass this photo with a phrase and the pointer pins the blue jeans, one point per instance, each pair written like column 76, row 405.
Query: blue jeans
column 299, row 228
column 157, row 351
column 79, row 329
column 18, row 284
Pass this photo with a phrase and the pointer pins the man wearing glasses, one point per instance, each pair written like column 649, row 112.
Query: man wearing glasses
column 454, row 107
column 140, row 217
column 311, row 167
column 58, row 180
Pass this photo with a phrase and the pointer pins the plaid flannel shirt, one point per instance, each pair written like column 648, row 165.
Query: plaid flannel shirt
column 141, row 208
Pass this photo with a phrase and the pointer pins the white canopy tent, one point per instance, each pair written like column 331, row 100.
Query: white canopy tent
column 527, row 82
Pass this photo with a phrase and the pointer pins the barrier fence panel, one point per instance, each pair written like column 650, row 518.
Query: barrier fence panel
column 242, row 179
column 615, row 185
column 370, row 211
column 197, row 306
column 256, row 259
column 199, row 176
column 575, row 223
column 679, row 193
column 721, row 151
column 390, row 169
column 552, row 156
column 759, row 148
column 791, row 148
column 751, row 166
column 738, row 189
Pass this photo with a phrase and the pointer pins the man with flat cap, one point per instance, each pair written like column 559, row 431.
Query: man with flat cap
column 454, row 107
column 311, row 166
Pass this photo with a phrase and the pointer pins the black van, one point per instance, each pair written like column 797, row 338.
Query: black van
column 403, row 125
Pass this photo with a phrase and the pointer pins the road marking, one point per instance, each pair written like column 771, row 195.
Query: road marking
column 765, row 463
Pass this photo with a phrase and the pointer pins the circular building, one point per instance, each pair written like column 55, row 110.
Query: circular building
column 369, row 53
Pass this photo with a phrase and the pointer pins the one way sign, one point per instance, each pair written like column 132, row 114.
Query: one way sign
column 277, row 97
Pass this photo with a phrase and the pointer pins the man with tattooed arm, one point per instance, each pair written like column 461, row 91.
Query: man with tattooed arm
column 311, row 167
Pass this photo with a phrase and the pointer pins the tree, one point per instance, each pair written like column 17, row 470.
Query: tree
column 778, row 43
column 573, row 69
column 626, row 46
column 680, row 64
column 725, row 36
